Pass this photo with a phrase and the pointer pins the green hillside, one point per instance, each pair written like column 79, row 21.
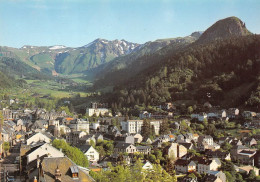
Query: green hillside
column 216, row 68
column 121, row 69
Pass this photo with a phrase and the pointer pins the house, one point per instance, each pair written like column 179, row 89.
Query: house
column 185, row 166
column 157, row 144
column 206, row 165
column 96, row 110
column 248, row 114
column 164, row 138
column 247, row 169
column 79, row 125
column 38, row 137
column 218, row 154
column 205, row 141
column 99, row 137
column 246, row 157
column 45, row 149
column 74, row 137
column 215, row 176
column 87, row 139
column 187, row 145
column 125, row 139
column 232, row 112
column 175, row 150
column 147, row 166
column 237, row 149
column 40, row 125
column 147, row 141
column 64, row 129
column 250, row 142
column 125, row 148
column 62, row 169
column 143, row 149
column 90, row 152
column 138, row 138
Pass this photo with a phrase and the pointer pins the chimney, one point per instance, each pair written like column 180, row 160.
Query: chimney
column 57, row 174
column 38, row 162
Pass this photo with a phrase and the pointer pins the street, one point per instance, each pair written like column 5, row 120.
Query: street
column 9, row 166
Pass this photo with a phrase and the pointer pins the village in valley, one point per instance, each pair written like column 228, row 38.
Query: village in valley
column 202, row 143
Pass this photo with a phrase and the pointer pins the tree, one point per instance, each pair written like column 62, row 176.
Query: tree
column 146, row 129
column 164, row 127
column 75, row 154
column 251, row 175
column 190, row 110
column 6, row 147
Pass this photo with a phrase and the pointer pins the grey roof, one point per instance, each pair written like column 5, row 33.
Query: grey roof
column 143, row 147
column 84, row 148
column 123, row 145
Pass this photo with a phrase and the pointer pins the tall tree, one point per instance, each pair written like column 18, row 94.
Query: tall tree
column 164, row 127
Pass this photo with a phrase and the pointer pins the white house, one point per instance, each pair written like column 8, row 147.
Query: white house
column 90, row 152
column 45, row 149
column 205, row 165
column 38, row 137
column 79, row 125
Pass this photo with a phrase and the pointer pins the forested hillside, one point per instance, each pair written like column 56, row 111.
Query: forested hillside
column 200, row 72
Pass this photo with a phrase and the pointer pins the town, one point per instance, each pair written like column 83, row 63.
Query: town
column 207, row 143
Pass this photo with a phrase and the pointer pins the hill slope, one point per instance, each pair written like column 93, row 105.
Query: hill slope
column 214, row 65
column 92, row 55
column 125, row 67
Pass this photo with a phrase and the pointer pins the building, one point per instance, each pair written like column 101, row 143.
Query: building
column 38, row 137
column 206, row 165
column 96, row 110
column 135, row 126
column 176, row 150
column 143, row 149
column 125, row 148
column 90, row 152
column 62, row 169
column 185, row 166
column 74, row 137
column 79, row 125
column 45, row 149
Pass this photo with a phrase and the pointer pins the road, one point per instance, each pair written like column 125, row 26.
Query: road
column 7, row 165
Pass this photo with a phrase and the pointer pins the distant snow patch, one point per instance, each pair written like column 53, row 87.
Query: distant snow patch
column 57, row 47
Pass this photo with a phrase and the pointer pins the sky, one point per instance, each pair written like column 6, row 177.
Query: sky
column 75, row 23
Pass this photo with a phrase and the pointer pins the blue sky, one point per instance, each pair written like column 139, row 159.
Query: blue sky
column 77, row 22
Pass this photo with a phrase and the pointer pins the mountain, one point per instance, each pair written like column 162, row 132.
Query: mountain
column 125, row 67
column 92, row 55
column 225, row 28
column 228, row 70
column 41, row 58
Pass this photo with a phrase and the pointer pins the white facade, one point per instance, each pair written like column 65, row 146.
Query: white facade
column 92, row 154
column 43, row 150
column 212, row 166
column 97, row 111
column 135, row 126
column 79, row 125
column 38, row 137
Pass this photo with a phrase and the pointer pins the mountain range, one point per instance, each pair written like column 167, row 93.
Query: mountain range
column 164, row 69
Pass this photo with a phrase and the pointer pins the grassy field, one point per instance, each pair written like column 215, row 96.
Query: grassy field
column 53, row 89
